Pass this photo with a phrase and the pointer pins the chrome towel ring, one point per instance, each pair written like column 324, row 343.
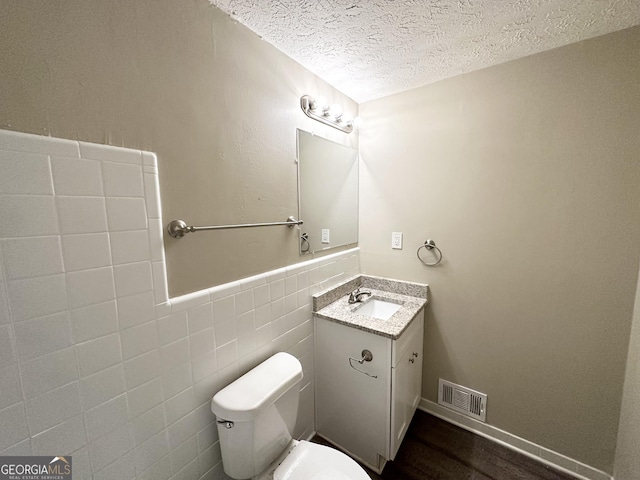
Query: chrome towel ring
column 429, row 245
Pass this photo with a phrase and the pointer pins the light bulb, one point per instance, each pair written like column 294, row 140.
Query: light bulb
column 335, row 111
column 357, row 122
column 319, row 104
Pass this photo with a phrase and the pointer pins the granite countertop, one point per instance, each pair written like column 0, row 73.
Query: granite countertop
column 333, row 305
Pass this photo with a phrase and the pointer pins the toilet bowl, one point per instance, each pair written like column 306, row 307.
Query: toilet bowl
column 256, row 416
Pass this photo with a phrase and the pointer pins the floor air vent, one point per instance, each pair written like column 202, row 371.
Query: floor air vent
column 461, row 399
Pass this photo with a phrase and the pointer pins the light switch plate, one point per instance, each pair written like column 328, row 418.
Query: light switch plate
column 325, row 235
column 396, row 240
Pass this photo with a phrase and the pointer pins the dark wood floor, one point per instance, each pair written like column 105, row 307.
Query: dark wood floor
column 437, row 450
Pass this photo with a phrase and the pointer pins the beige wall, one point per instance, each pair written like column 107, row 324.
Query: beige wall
column 527, row 176
column 217, row 104
column 627, row 460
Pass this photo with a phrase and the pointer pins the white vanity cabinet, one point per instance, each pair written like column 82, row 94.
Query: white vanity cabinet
column 365, row 408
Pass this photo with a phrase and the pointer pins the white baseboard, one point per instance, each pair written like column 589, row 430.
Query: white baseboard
column 508, row 440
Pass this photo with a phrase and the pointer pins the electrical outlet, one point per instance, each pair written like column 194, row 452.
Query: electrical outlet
column 325, row 235
column 396, row 240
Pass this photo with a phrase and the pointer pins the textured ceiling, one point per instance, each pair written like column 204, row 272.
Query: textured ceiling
column 372, row 48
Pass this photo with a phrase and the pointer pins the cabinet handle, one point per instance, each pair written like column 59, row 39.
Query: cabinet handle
column 412, row 360
column 415, row 354
column 367, row 356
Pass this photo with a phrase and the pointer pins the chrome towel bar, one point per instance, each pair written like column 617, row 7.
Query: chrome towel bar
column 177, row 228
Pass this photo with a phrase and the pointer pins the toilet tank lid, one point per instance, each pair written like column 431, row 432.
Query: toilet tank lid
column 253, row 392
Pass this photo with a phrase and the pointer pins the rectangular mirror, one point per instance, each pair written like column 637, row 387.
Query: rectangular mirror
column 327, row 193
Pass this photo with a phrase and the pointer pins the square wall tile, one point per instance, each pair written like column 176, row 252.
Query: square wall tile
column 73, row 176
column 32, row 257
column 122, row 180
column 102, row 386
column 139, row 339
column 291, row 285
column 86, row 251
column 67, row 437
column 19, row 449
column 245, row 323
column 89, row 287
column 136, row 309
column 28, row 216
column 244, row 302
column 132, row 278
column 277, row 290
column 200, row 317
column 184, row 454
column 179, row 406
column 110, row 447
column 261, row 295
column 225, row 332
column 106, row 417
column 183, row 429
column 152, row 451
column 122, row 469
column 99, row 354
column 201, row 343
column 174, row 354
column 14, row 425
column 224, row 310
column 11, row 391
column 43, row 335
column 141, row 369
column 37, row 297
column 176, row 380
column 94, row 321
column 53, row 407
column 130, row 247
column 25, row 173
column 144, row 397
column 126, row 214
column 204, row 367
column 4, row 305
column 48, row 372
column 172, row 327
column 148, row 425
column 227, row 354
column 7, row 351
column 81, row 214
column 262, row 315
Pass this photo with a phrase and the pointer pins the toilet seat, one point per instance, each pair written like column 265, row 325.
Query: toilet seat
column 310, row 461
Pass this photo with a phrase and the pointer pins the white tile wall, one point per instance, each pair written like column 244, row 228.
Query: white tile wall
column 95, row 360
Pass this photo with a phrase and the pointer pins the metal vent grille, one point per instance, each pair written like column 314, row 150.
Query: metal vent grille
column 462, row 399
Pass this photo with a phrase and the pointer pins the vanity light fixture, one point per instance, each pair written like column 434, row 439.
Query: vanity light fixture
column 332, row 115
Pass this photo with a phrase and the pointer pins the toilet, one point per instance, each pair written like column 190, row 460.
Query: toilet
column 256, row 416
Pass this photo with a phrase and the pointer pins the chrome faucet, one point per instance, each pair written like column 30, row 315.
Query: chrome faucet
column 356, row 295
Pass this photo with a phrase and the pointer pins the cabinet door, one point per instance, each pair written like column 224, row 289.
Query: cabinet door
column 352, row 407
column 406, row 391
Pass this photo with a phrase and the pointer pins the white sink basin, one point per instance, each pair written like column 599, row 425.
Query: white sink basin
column 378, row 309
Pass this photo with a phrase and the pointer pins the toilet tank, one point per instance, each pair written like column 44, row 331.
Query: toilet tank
column 257, row 414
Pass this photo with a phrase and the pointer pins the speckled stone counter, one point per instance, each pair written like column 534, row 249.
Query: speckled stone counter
column 333, row 304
